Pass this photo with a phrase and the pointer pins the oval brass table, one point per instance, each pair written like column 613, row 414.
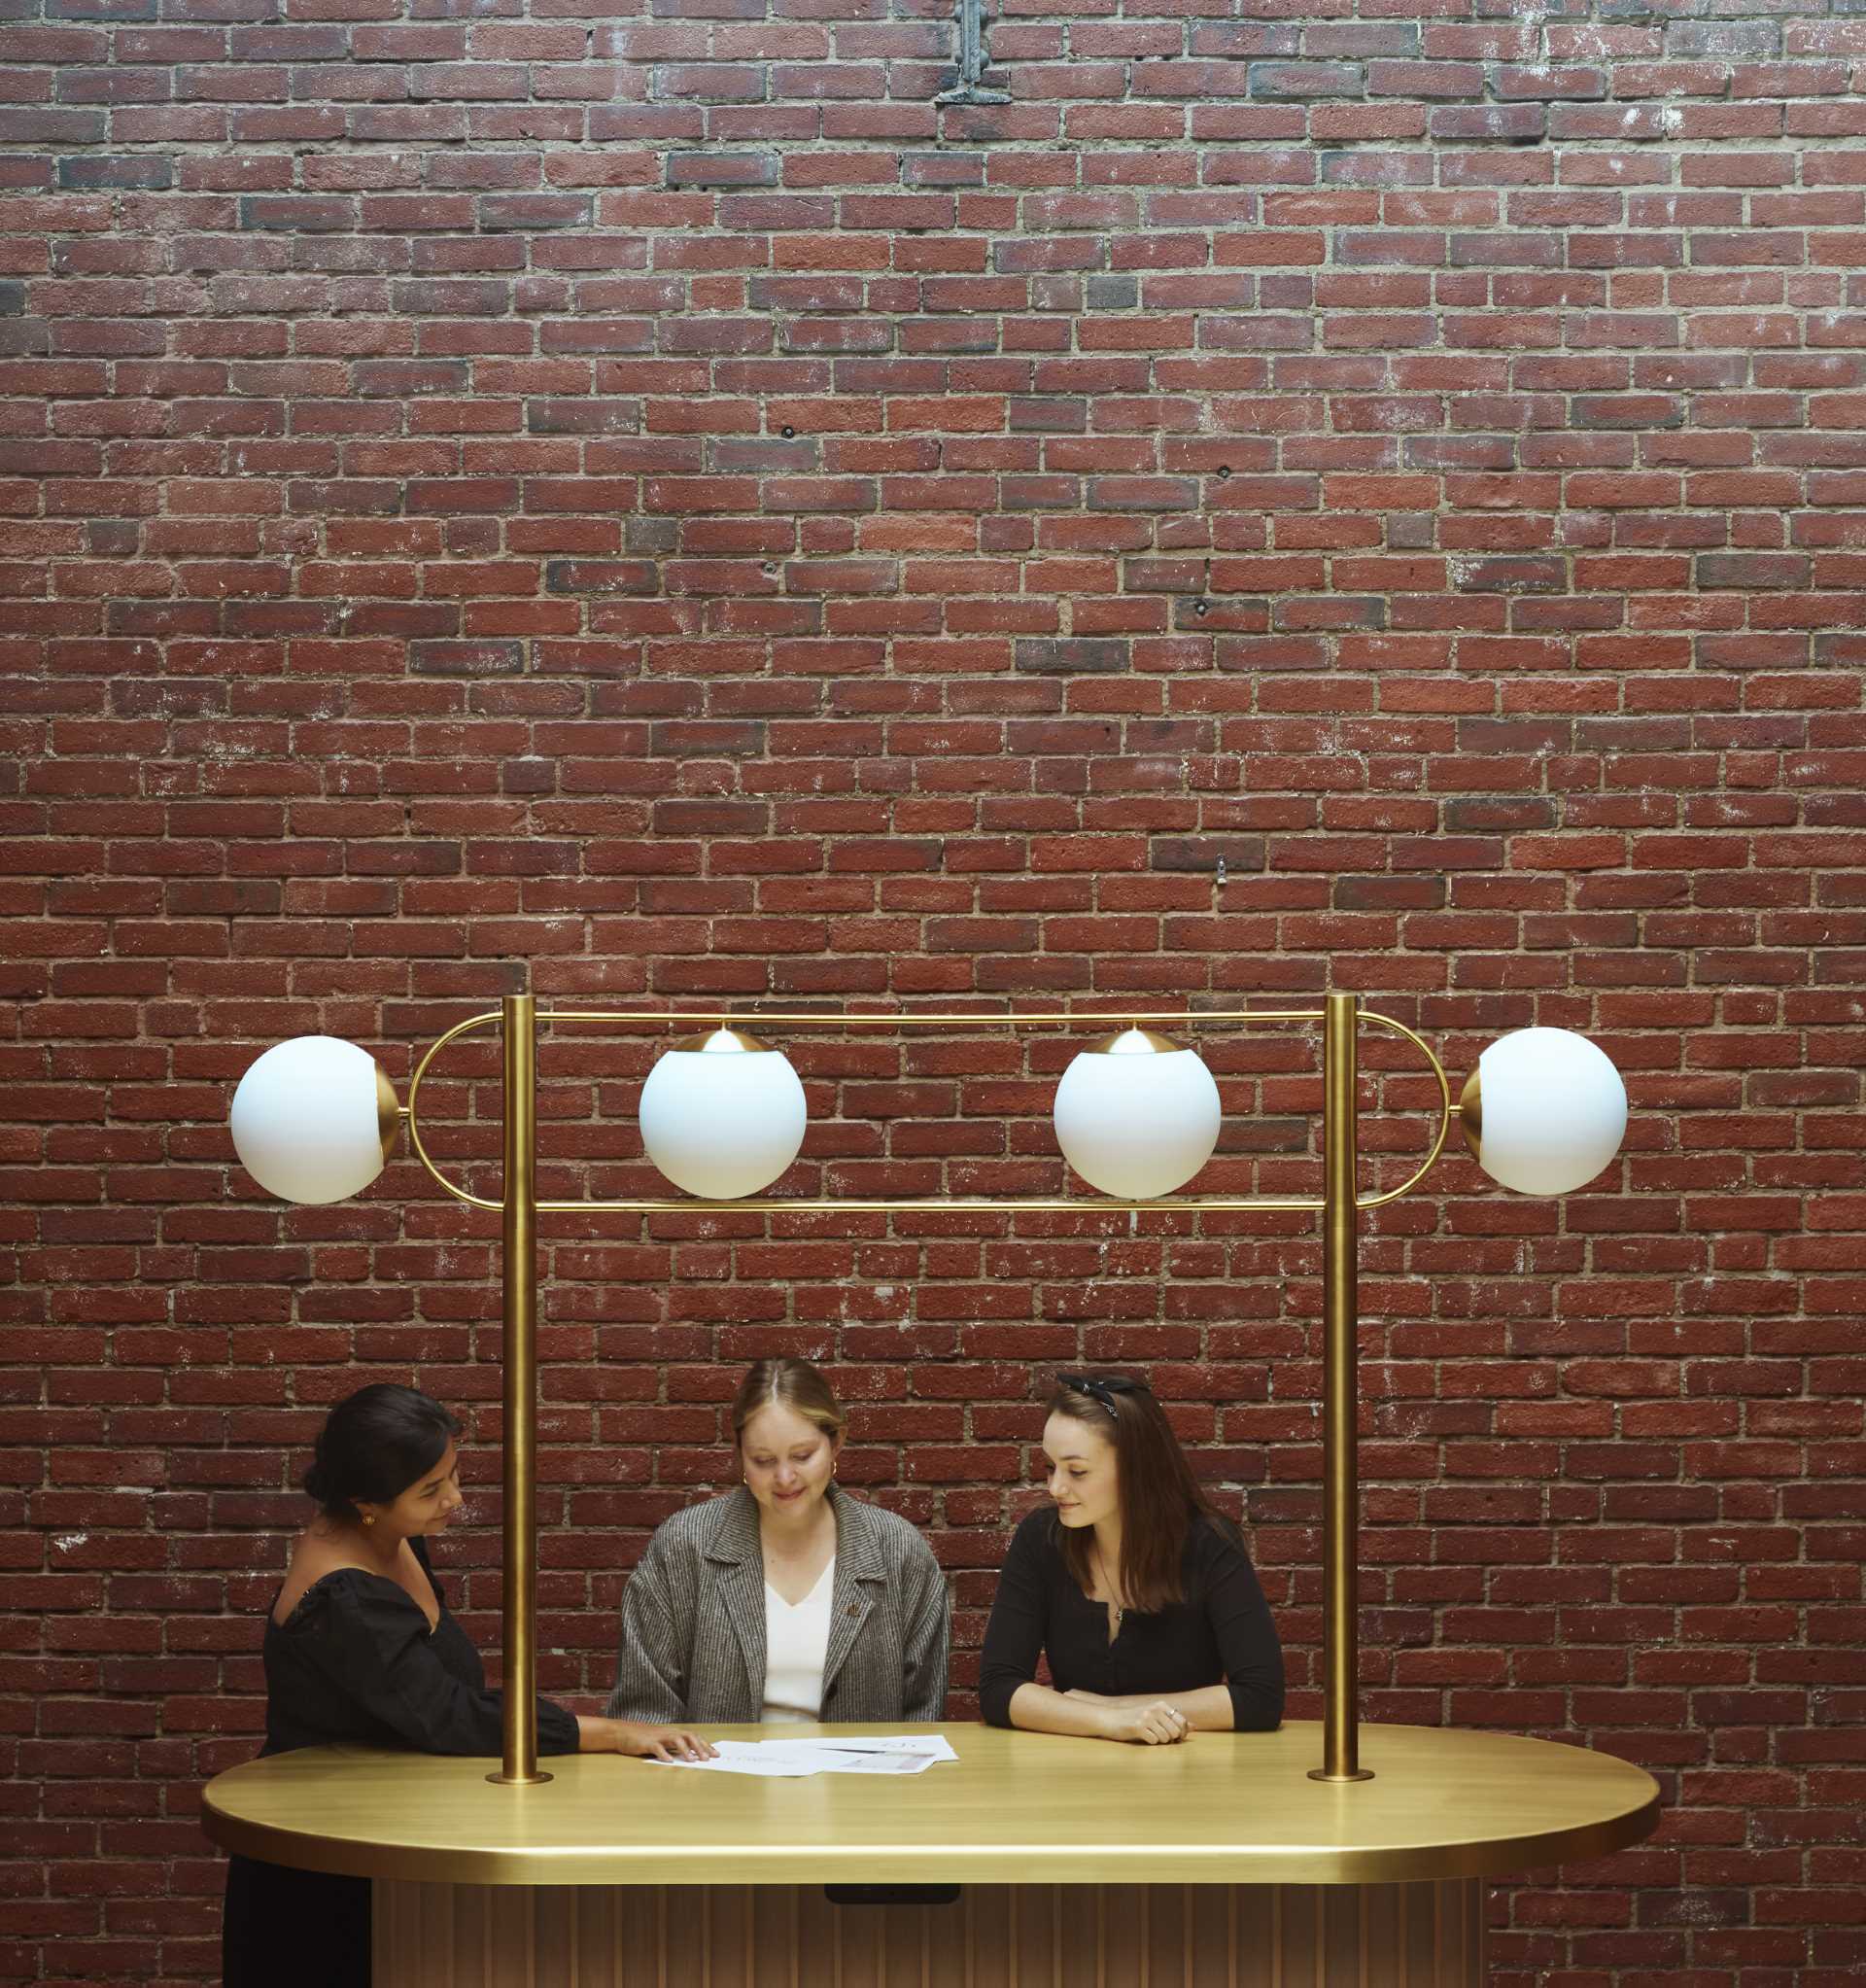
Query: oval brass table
column 1218, row 1861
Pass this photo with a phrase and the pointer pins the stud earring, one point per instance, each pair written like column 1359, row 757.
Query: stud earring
column 369, row 1518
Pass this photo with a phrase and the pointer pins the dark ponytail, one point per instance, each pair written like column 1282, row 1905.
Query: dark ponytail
column 375, row 1445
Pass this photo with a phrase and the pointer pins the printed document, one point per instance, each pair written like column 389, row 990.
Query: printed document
column 908, row 1753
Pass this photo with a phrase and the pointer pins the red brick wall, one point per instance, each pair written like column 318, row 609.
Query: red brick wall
column 638, row 488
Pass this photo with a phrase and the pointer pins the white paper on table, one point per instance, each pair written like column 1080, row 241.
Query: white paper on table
column 890, row 1754
column 933, row 1745
column 796, row 1759
column 876, row 1764
column 748, row 1757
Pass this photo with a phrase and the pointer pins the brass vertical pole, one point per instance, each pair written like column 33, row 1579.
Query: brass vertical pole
column 519, row 1196
column 1341, row 1487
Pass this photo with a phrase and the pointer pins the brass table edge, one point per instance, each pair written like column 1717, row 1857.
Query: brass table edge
column 1221, row 1864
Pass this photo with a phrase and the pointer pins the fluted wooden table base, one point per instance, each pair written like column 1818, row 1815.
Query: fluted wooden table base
column 1374, row 1936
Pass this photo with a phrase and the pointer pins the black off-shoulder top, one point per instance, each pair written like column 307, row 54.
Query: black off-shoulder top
column 355, row 1663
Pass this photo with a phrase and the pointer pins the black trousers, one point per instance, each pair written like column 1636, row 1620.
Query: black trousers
column 294, row 1929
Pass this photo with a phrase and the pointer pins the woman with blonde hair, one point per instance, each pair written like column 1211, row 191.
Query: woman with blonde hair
column 1132, row 1583
column 787, row 1598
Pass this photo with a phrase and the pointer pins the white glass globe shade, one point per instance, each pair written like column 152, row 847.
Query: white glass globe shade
column 313, row 1119
column 722, row 1115
column 1137, row 1116
column 1545, row 1111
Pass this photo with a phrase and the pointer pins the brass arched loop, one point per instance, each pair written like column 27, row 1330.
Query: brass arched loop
column 1166, row 1203
column 459, row 1194
column 1406, row 1187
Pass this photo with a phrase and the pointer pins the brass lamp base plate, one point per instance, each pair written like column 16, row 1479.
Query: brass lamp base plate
column 1315, row 1774
column 502, row 1780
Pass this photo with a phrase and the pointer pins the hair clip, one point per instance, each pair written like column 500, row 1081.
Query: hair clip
column 1102, row 1388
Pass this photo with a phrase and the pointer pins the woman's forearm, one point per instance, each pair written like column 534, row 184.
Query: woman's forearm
column 642, row 1740
column 1036, row 1708
column 1208, row 1709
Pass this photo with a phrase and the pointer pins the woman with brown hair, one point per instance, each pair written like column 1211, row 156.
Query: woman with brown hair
column 786, row 1599
column 1132, row 1583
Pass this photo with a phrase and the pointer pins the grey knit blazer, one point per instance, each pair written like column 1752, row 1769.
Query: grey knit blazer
column 693, row 1619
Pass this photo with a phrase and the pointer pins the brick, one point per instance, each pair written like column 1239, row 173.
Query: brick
column 466, row 658
column 724, row 169
column 147, row 173
column 1517, row 123
column 583, row 417
column 295, row 214
column 1753, row 569
column 1179, row 852
column 1081, row 656
column 1547, row 83
column 530, row 212
column 1301, row 79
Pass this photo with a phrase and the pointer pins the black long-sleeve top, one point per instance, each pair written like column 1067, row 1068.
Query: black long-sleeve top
column 355, row 1660
column 1220, row 1633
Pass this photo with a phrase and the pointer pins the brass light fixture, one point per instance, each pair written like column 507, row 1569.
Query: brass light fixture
column 722, row 1115
column 1547, row 1116
column 1136, row 1114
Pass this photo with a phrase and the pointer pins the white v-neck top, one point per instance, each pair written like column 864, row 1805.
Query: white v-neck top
column 796, row 1647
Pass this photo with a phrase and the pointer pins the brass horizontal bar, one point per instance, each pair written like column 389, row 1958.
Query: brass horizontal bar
column 741, row 1017
column 778, row 1207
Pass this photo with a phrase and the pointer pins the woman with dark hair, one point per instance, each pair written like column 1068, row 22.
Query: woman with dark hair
column 787, row 1599
column 1132, row 1583
column 360, row 1646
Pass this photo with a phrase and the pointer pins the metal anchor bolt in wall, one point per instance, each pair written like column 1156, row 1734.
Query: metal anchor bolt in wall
column 972, row 60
